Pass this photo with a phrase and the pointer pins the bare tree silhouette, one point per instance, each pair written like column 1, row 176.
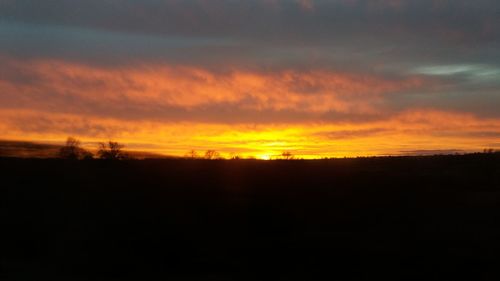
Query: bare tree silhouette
column 192, row 154
column 212, row 154
column 72, row 150
column 287, row 155
column 111, row 151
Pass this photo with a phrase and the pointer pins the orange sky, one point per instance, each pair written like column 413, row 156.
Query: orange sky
column 255, row 78
column 125, row 104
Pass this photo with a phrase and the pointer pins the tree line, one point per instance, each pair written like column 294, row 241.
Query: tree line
column 112, row 150
column 213, row 155
column 106, row 150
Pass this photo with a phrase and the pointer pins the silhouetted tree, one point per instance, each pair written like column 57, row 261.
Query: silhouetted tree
column 234, row 156
column 287, row 155
column 488, row 150
column 212, row 154
column 111, row 151
column 192, row 154
column 72, row 150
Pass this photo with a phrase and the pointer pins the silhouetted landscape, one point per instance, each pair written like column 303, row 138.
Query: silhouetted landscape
column 403, row 218
column 249, row 140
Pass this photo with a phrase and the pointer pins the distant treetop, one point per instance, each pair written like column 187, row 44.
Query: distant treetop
column 72, row 150
column 111, row 151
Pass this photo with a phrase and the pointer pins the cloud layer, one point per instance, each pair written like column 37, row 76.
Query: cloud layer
column 373, row 77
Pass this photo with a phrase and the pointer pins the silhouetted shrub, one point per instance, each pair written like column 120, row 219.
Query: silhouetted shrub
column 287, row 155
column 212, row 154
column 192, row 154
column 111, row 151
column 72, row 150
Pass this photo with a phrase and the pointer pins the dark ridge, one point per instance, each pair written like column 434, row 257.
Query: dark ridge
column 25, row 149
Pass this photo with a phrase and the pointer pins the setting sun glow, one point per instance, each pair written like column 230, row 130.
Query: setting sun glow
column 215, row 83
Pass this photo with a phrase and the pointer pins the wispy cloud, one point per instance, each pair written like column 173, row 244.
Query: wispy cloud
column 134, row 90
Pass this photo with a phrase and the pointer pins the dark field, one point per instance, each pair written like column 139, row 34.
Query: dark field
column 404, row 218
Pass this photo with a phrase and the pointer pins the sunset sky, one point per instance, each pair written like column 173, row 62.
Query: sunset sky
column 319, row 78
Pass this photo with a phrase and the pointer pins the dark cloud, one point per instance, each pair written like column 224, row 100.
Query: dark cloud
column 28, row 149
column 459, row 19
column 428, row 152
column 407, row 31
column 351, row 134
column 479, row 134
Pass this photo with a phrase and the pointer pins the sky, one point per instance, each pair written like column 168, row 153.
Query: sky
column 318, row 78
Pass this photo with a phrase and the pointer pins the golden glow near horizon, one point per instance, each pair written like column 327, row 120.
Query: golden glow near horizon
column 407, row 132
column 134, row 106
column 172, row 76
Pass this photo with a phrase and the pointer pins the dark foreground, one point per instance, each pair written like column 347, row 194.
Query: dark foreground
column 428, row 218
